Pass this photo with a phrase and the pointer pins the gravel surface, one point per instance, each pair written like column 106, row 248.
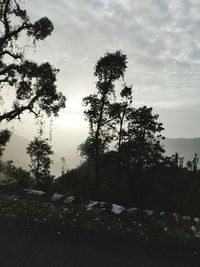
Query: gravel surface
column 38, row 245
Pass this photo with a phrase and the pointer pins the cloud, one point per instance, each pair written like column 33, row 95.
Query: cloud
column 161, row 39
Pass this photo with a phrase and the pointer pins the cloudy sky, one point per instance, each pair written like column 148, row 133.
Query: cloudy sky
column 161, row 39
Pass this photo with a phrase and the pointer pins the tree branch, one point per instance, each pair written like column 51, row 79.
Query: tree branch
column 15, row 56
column 9, row 68
column 14, row 33
column 6, row 79
column 18, row 111
column 5, row 19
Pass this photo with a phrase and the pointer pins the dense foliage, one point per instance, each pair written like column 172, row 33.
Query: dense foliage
column 4, row 138
column 31, row 85
column 14, row 178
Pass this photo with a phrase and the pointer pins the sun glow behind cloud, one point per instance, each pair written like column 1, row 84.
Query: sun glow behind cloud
column 162, row 42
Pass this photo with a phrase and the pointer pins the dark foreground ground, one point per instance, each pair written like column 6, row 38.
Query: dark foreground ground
column 41, row 245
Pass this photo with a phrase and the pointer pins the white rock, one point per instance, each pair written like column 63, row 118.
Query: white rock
column 132, row 210
column 186, row 218
column 193, row 228
column 197, row 220
column 162, row 213
column 117, row 209
column 56, row 197
column 69, row 199
column 197, row 234
column 91, row 205
column 34, row 192
column 195, row 231
column 12, row 197
column 149, row 212
column 176, row 216
column 102, row 204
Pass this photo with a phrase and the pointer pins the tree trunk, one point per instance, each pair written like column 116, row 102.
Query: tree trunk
column 97, row 163
column 97, row 179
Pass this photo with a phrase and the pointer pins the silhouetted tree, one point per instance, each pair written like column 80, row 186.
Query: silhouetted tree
column 119, row 112
column 108, row 69
column 192, row 165
column 143, row 138
column 195, row 163
column 181, row 162
column 4, row 138
column 175, row 159
column 141, row 149
column 189, row 165
column 32, row 84
column 40, row 151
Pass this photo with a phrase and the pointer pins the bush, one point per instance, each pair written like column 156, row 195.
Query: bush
column 16, row 177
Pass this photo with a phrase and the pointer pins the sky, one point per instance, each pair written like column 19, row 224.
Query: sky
column 161, row 39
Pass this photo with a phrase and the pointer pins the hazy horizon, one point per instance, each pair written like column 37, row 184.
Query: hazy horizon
column 16, row 151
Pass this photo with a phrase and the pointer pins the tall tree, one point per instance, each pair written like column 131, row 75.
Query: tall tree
column 144, row 138
column 32, row 85
column 108, row 69
column 142, row 148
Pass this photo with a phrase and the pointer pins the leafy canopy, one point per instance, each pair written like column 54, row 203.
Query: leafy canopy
column 32, row 85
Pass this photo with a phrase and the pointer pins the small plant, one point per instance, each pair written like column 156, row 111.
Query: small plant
column 17, row 178
column 40, row 151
